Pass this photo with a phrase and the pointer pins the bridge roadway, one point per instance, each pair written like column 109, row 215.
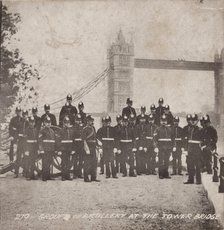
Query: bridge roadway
column 127, row 196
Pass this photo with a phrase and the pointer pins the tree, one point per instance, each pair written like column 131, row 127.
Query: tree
column 16, row 76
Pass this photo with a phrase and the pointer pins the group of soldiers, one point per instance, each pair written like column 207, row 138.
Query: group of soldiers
column 142, row 142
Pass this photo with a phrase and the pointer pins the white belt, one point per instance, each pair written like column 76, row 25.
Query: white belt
column 126, row 141
column 194, row 142
column 31, row 141
column 20, row 135
column 149, row 138
column 165, row 139
column 78, row 139
column 49, row 141
column 107, row 139
column 178, row 139
column 66, row 141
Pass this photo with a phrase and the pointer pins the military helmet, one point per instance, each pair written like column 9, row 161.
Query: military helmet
column 89, row 118
column 118, row 117
column 31, row 119
column 125, row 118
column 34, row 110
column 25, row 112
column 189, row 117
column 206, row 118
column 129, row 101
column 69, row 97
column 176, row 119
column 167, row 107
column 46, row 107
column 103, row 119
column 18, row 109
column 47, row 119
column 108, row 119
column 194, row 117
column 80, row 105
column 153, row 107
column 143, row 108
column 160, row 100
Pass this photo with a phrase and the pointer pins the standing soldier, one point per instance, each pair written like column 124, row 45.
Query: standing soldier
column 47, row 147
column 66, row 147
column 117, row 129
column 169, row 115
column 151, row 155
column 210, row 139
column 48, row 114
column 90, row 159
column 31, row 147
column 129, row 109
column 67, row 110
column 78, row 145
column 143, row 110
column 107, row 136
column 141, row 156
column 153, row 110
column 127, row 147
column 21, row 143
column 194, row 152
column 159, row 111
column 14, row 125
column 177, row 133
column 163, row 141
column 101, row 155
column 36, row 118
column 81, row 112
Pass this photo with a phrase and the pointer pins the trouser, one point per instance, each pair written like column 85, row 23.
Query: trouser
column 207, row 159
column 78, row 160
column 46, row 164
column 30, row 163
column 151, row 160
column 90, row 164
column 194, row 165
column 109, row 161
column 102, row 162
column 127, row 156
column 118, row 163
column 140, row 162
column 177, row 163
column 19, row 154
column 65, row 164
column 11, row 151
column 164, row 155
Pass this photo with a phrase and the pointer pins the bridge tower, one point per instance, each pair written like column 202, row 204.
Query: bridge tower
column 219, row 86
column 120, row 80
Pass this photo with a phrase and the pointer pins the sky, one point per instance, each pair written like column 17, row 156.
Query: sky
column 67, row 42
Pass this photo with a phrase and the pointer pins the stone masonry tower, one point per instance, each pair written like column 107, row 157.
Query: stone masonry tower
column 120, row 80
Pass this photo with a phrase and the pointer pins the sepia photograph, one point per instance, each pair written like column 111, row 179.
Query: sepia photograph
column 112, row 114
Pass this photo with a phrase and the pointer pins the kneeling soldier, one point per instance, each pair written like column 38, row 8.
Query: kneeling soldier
column 66, row 147
column 47, row 147
column 31, row 147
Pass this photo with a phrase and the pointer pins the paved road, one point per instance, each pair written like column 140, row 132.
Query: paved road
column 119, row 198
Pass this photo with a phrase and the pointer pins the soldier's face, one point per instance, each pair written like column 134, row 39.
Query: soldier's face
column 66, row 124
column 153, row 111
column 163, row 123
column 160, row 103
column 176, row 123
column 166, row 111
column 69, row 101
column 47, row 111
column 25, row 116
column 108, row 123
column 32, row 124
column 194, row 122
column 34, row 114
column 119, row 122
column 47, row 124
column 142, row 121
column 125, row 123
column 18, row 113
column 129, row 104
column 81, row 108
column 78, row 122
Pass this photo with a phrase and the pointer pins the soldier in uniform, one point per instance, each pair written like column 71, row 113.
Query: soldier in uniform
column 150, row 145
column 210, row 138
column 129, row 109
column 153, row 110
column 101, row 155
column 36, row 118
column 117, row 129
column 81, row 112
column 14, row 125
column 78, row 146
column 194, row 152
column 159, row 112
column 177, row 133
column 141, row 154
column 107, row 136
column 66, row 137
column 90, row 142
column 169, row 115
column 31, row 148
column 21, row 143
column 127, row 147
column 143, row 112
column 163, row 142
column 67, row 110
column 48, row 114
column 47, row 147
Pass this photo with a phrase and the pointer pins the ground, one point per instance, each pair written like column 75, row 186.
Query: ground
column 141, row 195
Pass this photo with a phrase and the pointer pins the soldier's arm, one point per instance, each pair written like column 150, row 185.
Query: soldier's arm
column 12, row 129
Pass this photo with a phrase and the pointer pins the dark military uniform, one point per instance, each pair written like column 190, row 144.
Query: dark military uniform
column 106, row 135
column 47, row 145
column 128, row 111
column 151, row 155
column 90, row 160
column 158, row 115
column 163, row 138
column 79, row 150
column 117, row 130
column 169, row 118
column 177, row 133
column 67, row 110
column 186, row 135
column 83, row 117
column 127, row 143
column 52, row 117
column 37, row 122
column 32, row 148
column 209, row 140
column 66, row 136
